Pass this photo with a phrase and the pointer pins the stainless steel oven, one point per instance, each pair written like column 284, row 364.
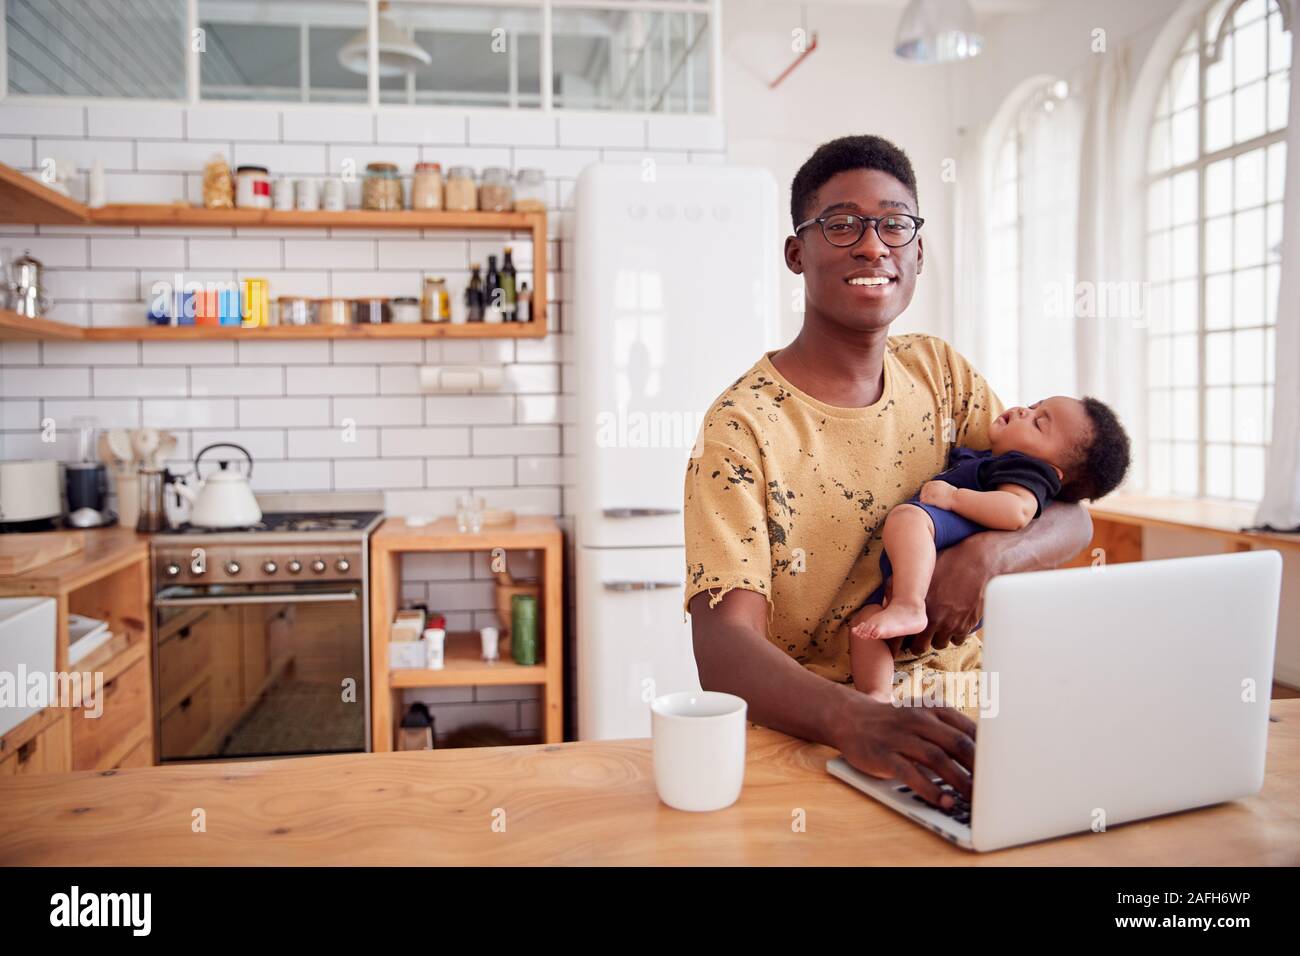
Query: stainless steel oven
column 261, row 645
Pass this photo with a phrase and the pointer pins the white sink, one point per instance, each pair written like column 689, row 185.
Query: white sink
column 28, row 628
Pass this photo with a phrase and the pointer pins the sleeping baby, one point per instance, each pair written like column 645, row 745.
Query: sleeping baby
column 1060, row 448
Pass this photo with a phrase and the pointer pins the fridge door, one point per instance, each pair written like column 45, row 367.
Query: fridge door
column 633, row 641
column 674, row 291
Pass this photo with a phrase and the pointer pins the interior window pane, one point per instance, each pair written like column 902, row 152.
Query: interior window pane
column 1272, row 278
column 1158, row 468
column 1158, row 425
column 1184, row 133
column 1184, row 361
column 1279, row 88
column 1158, row 360
column 1248, row 357
column 1248, row 112
column 1249, row 174
column 1158, row 308
column 1273, row 232
column 1186, row 414
column 1218, row 471
column 1218, row 244
column 121, row 49
column 1218, row 188
column 1248, row 238
column 1248, row 415
column 1270, row 374
column 1248, row 473
column 1250, row 62
column 1186, row 202
column 481, row 55
column 1218, row 301
column 1249, row 11
column 1218, row 358
column 1158, row 150
column 1279, row 44
column 630, row 60
column 1158, row 257
column 1184, row 476
column 1218, row 414
column 1218, row 123
column 1184, row 252
column 1183, row 315
column 1182, row 80
column 1248, row 292
column 1276, row 171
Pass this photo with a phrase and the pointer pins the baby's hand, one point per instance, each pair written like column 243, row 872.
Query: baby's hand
column 938, row 493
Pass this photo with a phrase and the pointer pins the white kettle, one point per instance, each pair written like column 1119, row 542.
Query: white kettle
column 224, row 499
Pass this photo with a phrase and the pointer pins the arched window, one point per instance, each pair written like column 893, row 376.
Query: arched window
column 1216, row 164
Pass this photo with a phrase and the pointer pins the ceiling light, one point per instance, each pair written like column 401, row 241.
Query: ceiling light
column 937, row 31
column 399, row 54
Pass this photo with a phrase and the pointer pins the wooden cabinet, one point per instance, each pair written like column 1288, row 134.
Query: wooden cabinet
column 105, row 731
column 44, row 746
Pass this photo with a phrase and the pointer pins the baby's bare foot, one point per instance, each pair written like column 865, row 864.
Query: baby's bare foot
column 897, row 620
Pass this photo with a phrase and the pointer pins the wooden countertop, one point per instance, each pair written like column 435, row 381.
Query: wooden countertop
column 576, row 803
column 106, row 550
column 1224, row 519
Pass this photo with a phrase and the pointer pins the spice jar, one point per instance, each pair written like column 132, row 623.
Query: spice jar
column 460, row 192
column 530, row 191
column 496, row 194
column 296, row 310
column 333, row 311
column 381, row 188
column 426, row 186
column 436, row 304
column 405, row 310
column 371, row 311
column 252, row 187
column 218, row 190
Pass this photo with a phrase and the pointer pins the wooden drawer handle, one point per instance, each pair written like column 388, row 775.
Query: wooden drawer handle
column 183, row 633
column 110, row 686
column 185, row 704
column 26, row 751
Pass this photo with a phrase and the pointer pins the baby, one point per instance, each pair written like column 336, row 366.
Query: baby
column 1062, row 448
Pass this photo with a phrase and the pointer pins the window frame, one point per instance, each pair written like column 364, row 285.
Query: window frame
column 711, row 10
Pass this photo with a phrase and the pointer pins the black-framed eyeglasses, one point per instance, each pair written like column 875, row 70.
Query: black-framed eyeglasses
column 845, row 229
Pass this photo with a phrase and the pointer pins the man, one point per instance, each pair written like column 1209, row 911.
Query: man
column 799, row 462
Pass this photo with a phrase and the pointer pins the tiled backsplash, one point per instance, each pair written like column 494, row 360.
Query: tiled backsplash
column 288, row 402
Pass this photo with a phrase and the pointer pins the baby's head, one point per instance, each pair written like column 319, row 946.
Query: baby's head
column 1081, row 438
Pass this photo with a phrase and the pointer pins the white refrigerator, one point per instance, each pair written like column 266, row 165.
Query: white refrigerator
column 674, row 297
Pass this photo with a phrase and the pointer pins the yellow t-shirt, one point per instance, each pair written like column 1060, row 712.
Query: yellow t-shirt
column 786, row 495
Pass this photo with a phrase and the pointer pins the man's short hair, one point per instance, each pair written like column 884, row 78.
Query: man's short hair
column 847, row 152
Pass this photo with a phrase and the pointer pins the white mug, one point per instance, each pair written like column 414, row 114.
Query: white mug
column 699, row 748
column 308, row 192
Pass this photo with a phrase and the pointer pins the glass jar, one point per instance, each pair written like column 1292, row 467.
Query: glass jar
column 426, row 186
column 252, row 187
column 405, row 310
column 460, row 193
column 496, row 194
column 297, row 310
column 530, row 191
column 369, row 311
column 437, row 301
column 333, row 312
column 381, row 189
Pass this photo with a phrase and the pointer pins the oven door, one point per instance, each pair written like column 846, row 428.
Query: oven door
column 261, row 670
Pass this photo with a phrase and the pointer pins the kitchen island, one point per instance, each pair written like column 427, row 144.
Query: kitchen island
column 569, row 804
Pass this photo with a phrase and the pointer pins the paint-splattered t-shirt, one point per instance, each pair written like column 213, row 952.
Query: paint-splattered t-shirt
column 786, row 495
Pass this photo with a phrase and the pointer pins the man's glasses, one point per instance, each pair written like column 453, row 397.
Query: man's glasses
column 844, row 229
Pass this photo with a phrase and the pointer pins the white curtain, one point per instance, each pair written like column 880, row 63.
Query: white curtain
column 1280, row 506
column 1110, row 311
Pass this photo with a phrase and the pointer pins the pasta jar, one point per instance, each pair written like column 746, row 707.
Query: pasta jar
column 252, row 187
column 496, row 194
column 381, row 188
column 460, row 193
column 426, row 186
column 530, row 191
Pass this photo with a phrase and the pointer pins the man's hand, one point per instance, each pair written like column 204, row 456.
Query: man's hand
column 911, row 743
column 938, row 493
column 955, row 601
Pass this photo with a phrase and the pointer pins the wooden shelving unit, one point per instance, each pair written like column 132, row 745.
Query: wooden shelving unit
column 395, row 538
column 26, row 200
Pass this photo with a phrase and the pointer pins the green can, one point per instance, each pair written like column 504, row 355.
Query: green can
column 523, row 628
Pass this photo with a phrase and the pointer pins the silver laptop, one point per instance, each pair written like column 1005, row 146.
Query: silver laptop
column 1112, row 694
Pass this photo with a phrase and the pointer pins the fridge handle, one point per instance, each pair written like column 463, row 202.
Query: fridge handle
column 640, row 585
column 639, row 512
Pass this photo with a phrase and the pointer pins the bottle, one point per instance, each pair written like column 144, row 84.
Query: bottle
column 492, row 292
column 524, row 310
column 508, row 303
column 474, row 296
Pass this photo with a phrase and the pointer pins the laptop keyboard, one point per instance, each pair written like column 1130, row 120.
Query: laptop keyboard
column 960, row 810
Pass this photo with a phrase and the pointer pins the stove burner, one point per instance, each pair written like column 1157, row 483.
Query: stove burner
column 305, row 521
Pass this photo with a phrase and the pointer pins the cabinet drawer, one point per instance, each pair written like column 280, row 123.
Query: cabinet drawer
column 185, row 724
column 185, row 655
column 45, row 752
column 141, row 755
column 125, row 711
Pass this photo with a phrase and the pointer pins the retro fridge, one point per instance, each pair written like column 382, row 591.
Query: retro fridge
column 674, row 297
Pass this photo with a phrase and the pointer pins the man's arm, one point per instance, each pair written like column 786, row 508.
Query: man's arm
column 955, row 602
column 733, row 655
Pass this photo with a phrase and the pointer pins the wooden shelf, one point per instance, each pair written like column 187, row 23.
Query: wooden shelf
column 29, row 201
column 394, row 538
column 462, row 656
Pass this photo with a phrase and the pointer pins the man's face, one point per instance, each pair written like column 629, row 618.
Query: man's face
column 828, row 269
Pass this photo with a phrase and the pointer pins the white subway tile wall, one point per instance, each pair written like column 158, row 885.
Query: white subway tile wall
column 322, row 415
